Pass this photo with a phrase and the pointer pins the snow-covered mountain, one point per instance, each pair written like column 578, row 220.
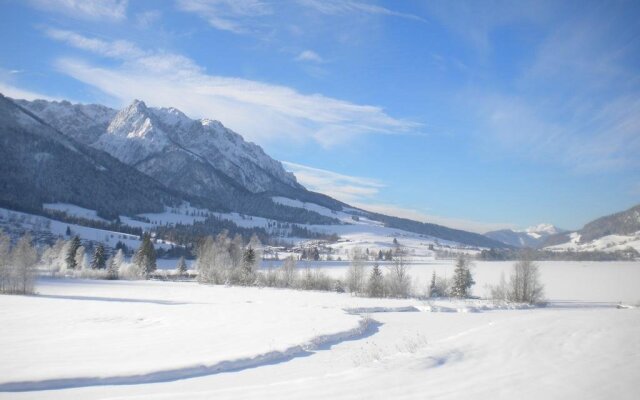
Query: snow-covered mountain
column 532, row 237
column 39, row 164
column 200, row 157
column 609, row 233
column 197, row 162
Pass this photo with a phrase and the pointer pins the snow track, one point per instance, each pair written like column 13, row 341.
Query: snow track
column 366, row 328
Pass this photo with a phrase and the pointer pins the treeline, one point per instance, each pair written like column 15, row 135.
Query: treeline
column 116, row 225
column 628, row 254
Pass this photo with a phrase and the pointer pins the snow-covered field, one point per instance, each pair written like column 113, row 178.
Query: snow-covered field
column 168, row 340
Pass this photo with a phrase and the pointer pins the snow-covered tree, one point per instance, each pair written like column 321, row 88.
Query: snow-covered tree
column 355, row 273
column 249, row 266
column 181, row 267
column 23, row 269
column 70, row 256
column 80, row 258
column 375, row 286
column 113, row 265
column 462, row 278
column 99, row 258
column 145, row 257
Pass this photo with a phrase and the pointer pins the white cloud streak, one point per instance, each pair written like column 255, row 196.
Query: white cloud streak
column 235, row 16
column 361, row 192
column 342, row 187
column 259, row 111
column 309, row 55
column 251, row 16
column 110, row 10
column 347, row 7
column 17, row 93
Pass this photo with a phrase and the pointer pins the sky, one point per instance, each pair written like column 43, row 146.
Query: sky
column 476, row 114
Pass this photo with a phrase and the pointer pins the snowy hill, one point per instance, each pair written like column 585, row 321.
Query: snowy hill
column 532, row 237
column 614, row 232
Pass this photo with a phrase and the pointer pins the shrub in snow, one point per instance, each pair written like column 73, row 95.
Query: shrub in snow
column 315, row 279
column 288, row 273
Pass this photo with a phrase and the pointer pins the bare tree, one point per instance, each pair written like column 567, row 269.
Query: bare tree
column 397, row 277
column 525, row 286
column 5, row 261
column 23, row 272
column 288, row 273
column 355, row 273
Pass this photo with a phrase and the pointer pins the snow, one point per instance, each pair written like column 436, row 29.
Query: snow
column 608, row 243
column 74, row 211
column 159, row 340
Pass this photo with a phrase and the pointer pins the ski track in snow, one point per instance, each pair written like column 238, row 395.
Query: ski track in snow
column 366, row 328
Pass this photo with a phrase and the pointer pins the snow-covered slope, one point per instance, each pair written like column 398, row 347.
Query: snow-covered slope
column 166, row 340
column 532, row 237
column 609, row 233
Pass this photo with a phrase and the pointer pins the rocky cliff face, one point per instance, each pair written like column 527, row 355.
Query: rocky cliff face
column 164, row 143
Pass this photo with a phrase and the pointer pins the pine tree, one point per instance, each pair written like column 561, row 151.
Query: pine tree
column 99, row 258
column 181, row 268
column 68, row 231
column 433, row 288
column 71, row 254
column 462, row 278
column 145, row 257
column 375, row 287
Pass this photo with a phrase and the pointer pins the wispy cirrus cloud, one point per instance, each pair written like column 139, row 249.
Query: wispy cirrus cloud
column 574, row 103
column 362, row 192
column 342, row 187
column 258, row 110
column 237, row 16
column 309, row 56
column 252, row 16
column 346, row 7
column 120, row 49
column 111, row 10
column 15, row 92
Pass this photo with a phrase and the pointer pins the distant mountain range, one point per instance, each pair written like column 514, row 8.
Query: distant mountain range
column 532, row 237
column 610, row 233
column 142, row 159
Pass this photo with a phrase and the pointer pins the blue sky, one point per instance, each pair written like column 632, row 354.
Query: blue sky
column 477, row 115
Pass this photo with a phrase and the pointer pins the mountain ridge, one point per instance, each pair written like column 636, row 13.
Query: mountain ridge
column 205, row 160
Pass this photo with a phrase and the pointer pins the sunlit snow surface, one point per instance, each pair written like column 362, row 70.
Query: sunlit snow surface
column 167, row 340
